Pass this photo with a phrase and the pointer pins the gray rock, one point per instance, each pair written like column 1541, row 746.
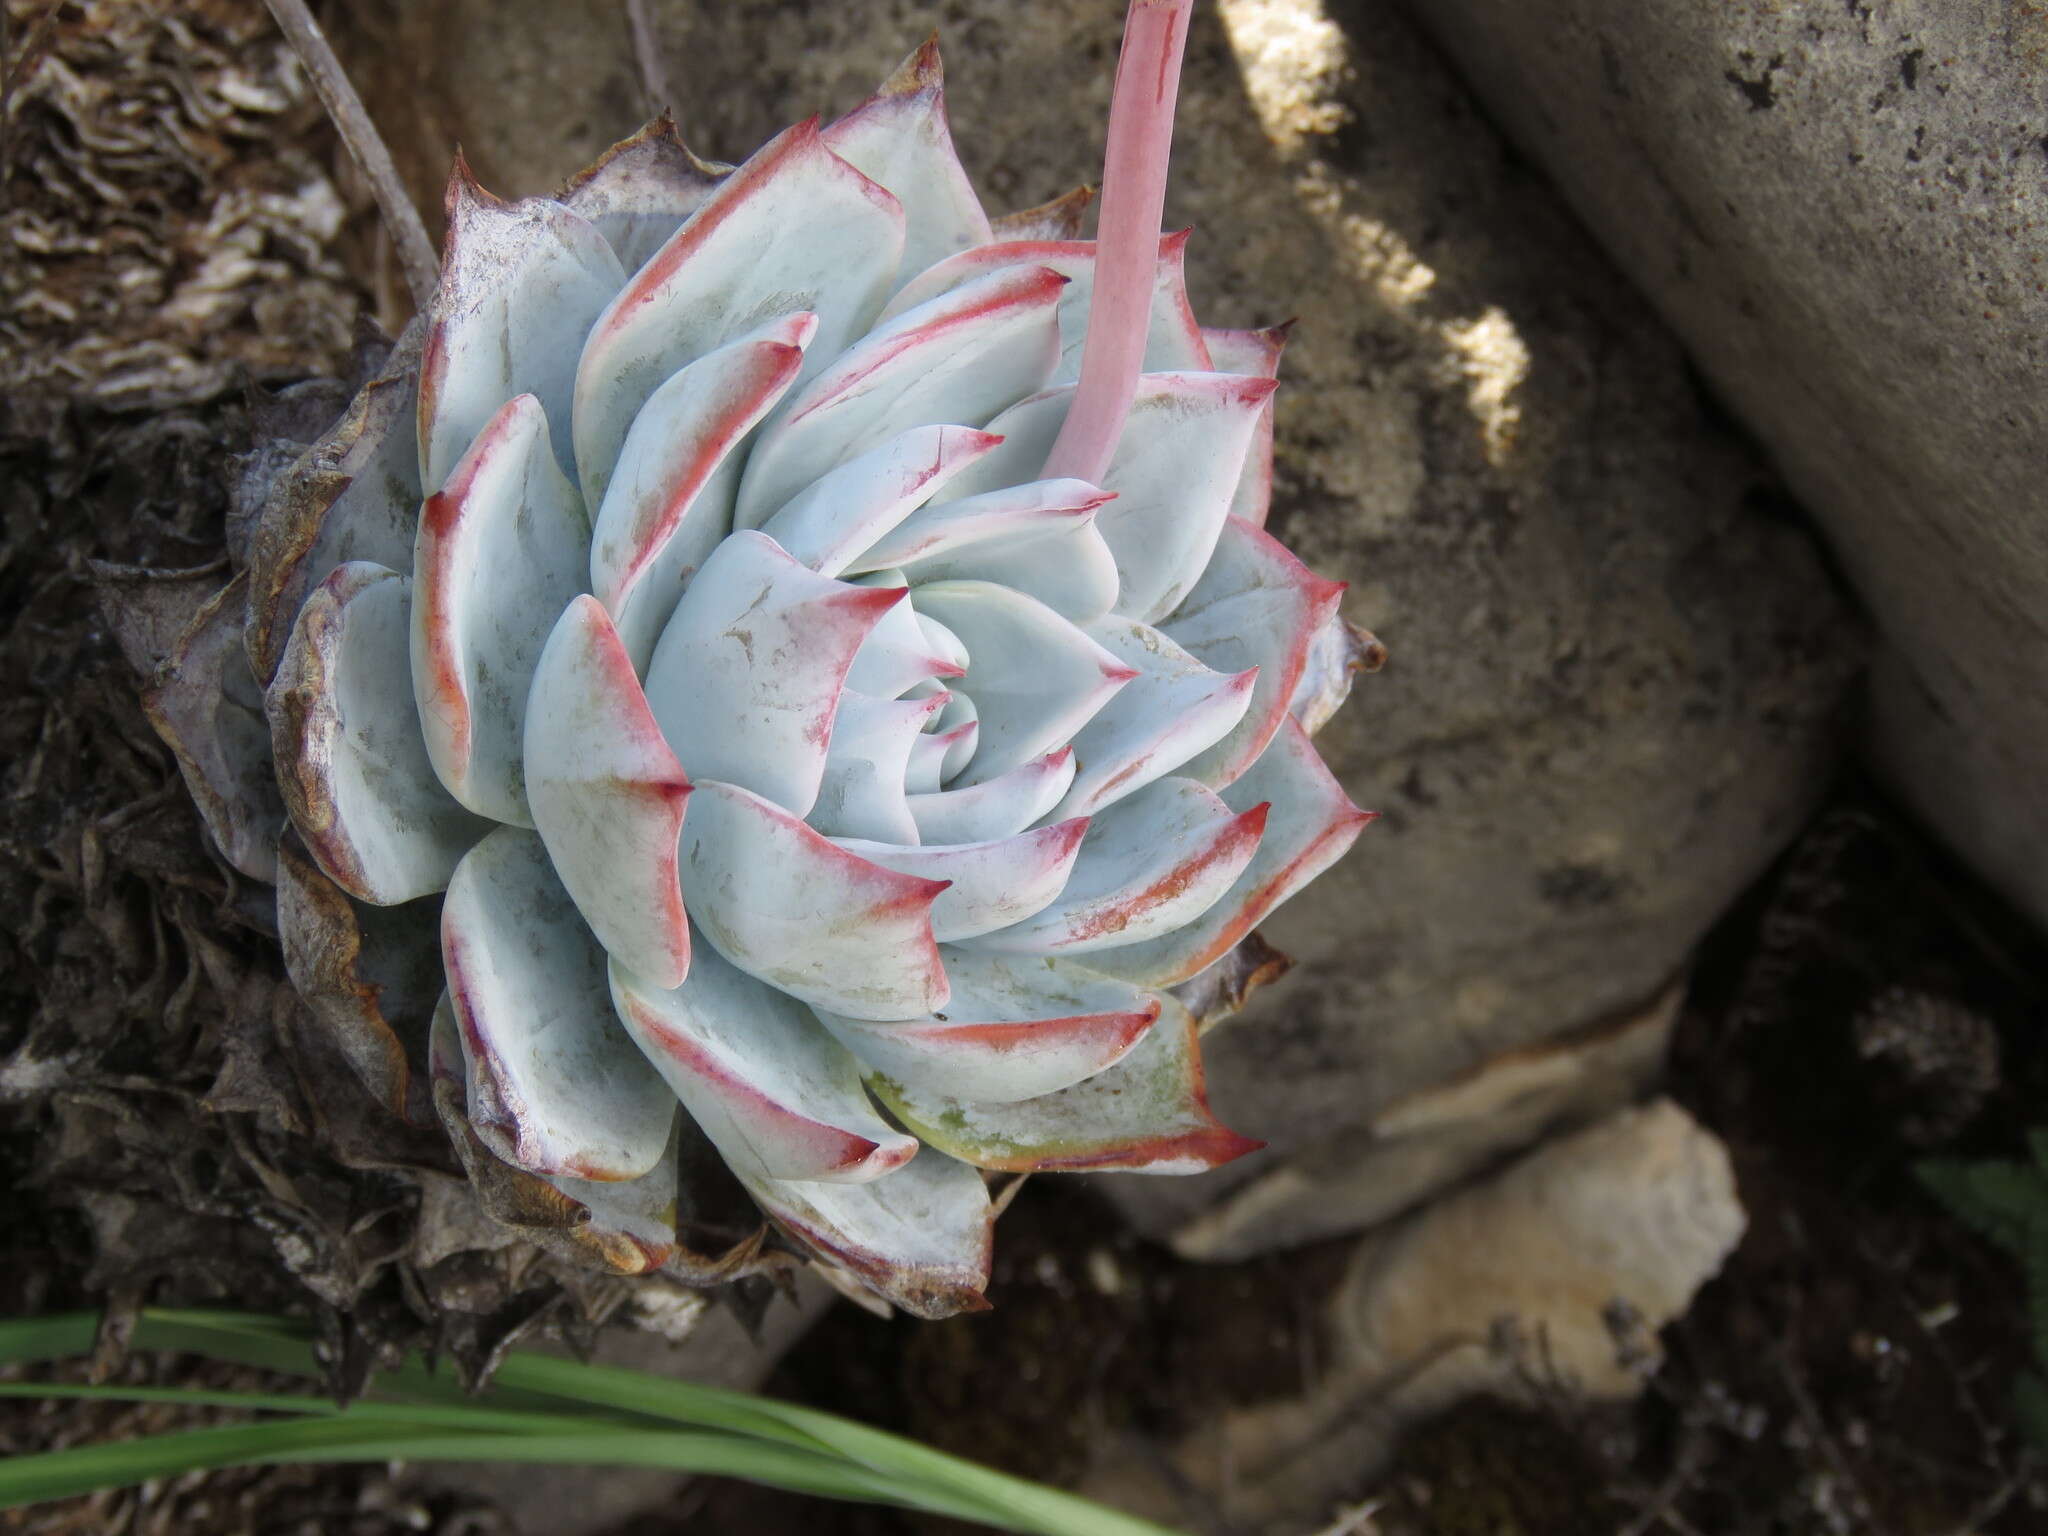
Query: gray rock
column 1438, row 1136
column 1548, row 1282
column 1615, row 681
column 1583, row 1250
column 1842, row 206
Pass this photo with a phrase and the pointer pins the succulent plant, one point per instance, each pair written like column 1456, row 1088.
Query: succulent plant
column 811, row 655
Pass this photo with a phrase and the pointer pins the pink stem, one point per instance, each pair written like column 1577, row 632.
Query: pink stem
column 1127, row 240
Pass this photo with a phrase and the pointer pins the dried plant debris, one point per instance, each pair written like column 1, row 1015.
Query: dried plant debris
column 176, row 1123
column 169, row 210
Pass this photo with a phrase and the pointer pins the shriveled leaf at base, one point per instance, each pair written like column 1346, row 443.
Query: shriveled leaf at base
column 1226, row 986
column 209, row 712
column 149, row 608
column 352, row 495
column 369, row 975
column 1338, row 653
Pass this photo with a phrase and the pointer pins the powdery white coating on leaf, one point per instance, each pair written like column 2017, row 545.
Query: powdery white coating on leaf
column 353, row 765
column 1309, row 825
column 1035, row 677
column 726, row 271
column 989, row 885
column 841, row 514
column 1256, row 354
column 1255, row 606
column 899, row 138
column 745, row 679
column 555, row 1084
column 1337, row 654
column 501, row 550
column 788, row 906
column 868, row 766
column 638, row 192
column 902, row 651
column 997, row 807
column 1174, row 708
column 1173, row 473
column 627, row 1226
column 1150, row 865
column 1173, row 341
column 778, row 1096
column 669, row 501
column 1015, row 1028
column 933, row 539
column 608, row 795
column 921, row 1238
column 521, row 284
column 959, row 359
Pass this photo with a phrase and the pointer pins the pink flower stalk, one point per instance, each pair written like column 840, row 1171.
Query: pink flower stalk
column 1127, row 235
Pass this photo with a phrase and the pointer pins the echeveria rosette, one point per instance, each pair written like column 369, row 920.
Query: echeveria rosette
column 721, row 601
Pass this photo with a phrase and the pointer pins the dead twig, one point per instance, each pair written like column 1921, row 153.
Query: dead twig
column 365, row 144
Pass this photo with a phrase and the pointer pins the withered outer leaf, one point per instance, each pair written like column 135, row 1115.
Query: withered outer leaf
column 1061, row 219
column 363, row 476
column 1341, row 650
column 640, row 190
column 282, row 424
column 150, row 607
column 1226, row 986
column 209, row 712
column 369, row 976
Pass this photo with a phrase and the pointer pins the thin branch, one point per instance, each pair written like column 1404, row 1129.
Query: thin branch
column 647, row 50
column 365, row 144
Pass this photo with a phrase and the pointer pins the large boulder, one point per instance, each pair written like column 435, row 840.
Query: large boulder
column 1843, row 210
column 1617, row 668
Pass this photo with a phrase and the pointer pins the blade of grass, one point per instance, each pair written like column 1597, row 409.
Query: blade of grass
column 469, row 1419
column 353, row 1435
column 702, row 1452
column 86, row 1469
column 545, row 1384
column 1042, row 1509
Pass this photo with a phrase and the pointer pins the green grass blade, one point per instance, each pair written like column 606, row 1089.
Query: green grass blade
column 700, row 1452
column 468, row 1418
column 86, row 1469
column 28, row 1340
column 562, row 1391
column 1029, row 1506
column 355, row 1436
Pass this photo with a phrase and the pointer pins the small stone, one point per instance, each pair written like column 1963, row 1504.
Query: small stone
column 1567, row 1264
